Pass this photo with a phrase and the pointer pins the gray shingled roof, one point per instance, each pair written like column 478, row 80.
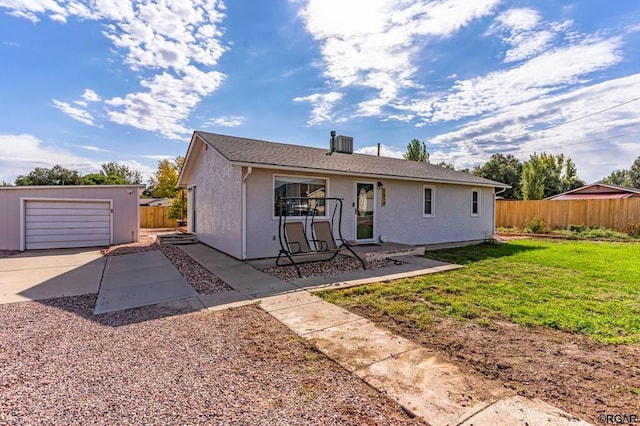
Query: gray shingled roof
column 257, row 152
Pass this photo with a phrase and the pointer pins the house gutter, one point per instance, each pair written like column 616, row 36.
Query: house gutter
column 365, row 175
column 244, row 213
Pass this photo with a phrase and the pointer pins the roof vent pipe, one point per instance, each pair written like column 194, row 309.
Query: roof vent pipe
column 332, row 143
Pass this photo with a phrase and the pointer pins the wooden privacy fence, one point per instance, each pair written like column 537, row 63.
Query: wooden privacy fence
column 609, row 213
column 156, row 217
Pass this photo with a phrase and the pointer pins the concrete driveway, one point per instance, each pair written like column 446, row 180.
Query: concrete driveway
column 43, row 274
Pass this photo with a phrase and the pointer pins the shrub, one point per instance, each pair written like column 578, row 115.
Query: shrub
column 633, row 229
column 577, row 228
column 536, row 225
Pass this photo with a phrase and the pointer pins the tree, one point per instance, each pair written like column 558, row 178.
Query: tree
column 545, row 175
column 417, row 151
column 57, row 175
column 634, row 173
column 503, row 168
column 618, row 177
column 164, row 180
column 120, row 174
column 625, row 177
column 446, row 165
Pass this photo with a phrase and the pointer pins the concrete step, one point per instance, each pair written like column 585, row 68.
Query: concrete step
column 177, row 239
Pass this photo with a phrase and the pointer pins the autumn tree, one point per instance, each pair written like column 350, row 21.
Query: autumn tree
column 164, row 180
column 417, row 151
column 502, row 168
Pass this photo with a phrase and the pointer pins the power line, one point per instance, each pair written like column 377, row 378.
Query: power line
column 552, row 126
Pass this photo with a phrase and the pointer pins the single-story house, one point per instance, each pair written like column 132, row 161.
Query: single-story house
column 599, row 191
column 44, row 217
column 234, row 185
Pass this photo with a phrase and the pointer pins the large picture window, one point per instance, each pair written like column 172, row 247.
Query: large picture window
column 299, row 186
column 429, row 197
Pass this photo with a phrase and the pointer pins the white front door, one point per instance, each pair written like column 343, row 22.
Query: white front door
column 364, row 211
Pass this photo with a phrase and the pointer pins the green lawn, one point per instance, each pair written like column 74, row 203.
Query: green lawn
column 585, row 287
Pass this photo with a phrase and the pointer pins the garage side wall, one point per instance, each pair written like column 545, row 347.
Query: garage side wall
column 125, row 225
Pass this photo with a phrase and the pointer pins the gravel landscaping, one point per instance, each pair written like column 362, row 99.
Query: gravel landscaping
column 339, row 265
column 166, row 365
column 200, row 278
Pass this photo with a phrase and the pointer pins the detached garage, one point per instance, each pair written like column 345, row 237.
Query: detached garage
column 45, row 217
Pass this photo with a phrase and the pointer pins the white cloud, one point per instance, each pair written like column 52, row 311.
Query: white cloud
column 385, row 151
column 375, row 46
column 73, row 112
column 158, row 157
column 227, row 121
column 167, row 102
column 322, row 106
column 598, row 144
column 90, row 96
column 92, row 148
column 20, row 154
column 540, row 76
column 172, row 46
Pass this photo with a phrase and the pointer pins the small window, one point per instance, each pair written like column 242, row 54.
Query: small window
column 475, row 202
column 299, row 186
column 428, row 198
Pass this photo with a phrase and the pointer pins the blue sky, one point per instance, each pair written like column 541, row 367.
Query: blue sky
column 87, row 82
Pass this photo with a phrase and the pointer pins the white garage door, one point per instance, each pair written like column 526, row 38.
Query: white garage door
column 63, row 224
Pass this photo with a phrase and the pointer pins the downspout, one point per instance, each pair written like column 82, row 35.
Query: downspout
column 494, row 208
column 244, row 213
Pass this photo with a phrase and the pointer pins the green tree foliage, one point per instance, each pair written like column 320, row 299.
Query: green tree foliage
column 164, row 180
column 120, row 174
column 417, row 151
column 178, row 209
column 57, row 175
column 503, row 168
column 620, row 177
column 446, row 165
column 625, row 177
column 545, row 175
column 634, row 173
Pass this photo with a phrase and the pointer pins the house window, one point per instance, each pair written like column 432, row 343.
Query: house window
column 428, row 198
column 298, row 186
column 475, row 202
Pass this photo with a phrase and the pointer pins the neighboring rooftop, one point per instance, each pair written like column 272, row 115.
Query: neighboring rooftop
column 249, row 152
column 597, row 190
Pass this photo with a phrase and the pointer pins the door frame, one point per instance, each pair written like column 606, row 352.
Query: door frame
column 355, row 210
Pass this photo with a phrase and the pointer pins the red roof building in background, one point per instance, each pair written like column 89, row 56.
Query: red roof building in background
column 597, row 191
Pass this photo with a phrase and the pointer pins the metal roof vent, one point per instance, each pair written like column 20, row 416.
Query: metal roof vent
column 340, row 143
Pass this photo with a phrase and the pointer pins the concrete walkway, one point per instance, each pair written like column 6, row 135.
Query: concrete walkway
column 44, row 274
column 140, row 279
column 410, row 374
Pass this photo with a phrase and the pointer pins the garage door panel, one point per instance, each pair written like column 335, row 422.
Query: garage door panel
column 77, row 231
column 67, row 244
column 103, row 238
column 52, row 204
column 67, row 223
column 66, row 212
column 54, row 225
column 49, row 218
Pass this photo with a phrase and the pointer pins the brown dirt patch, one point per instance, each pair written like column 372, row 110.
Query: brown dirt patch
column 570, row 371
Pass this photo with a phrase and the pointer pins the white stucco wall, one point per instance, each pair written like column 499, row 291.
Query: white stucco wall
column 400, row 220
column 218, row 202
column 125, row 208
